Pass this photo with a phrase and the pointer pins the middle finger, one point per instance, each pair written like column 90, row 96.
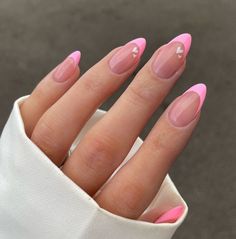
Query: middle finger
column 105, row 146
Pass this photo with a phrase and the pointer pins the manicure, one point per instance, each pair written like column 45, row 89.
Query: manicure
column 67, row 67
column 172, row 56
column 127, row 56
column 171, row 216
column 184, row 109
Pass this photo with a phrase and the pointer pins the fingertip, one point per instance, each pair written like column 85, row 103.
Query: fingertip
column 141, row 43
column 76, row 55
column 171, row 216
column 185, row 39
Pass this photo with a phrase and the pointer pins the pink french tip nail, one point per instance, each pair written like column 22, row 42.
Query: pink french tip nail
column 185, row 39
column 141, row 43
column 171, row 216
column 76, row 55
column 201, row 90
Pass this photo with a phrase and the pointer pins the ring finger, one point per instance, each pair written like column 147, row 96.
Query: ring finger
column 138, row 181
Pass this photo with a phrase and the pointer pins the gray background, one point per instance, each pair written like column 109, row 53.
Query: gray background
column 36, row 35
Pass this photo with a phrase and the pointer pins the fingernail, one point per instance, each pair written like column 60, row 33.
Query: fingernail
column 171, row 216
column 186, row 39
column 67, row 67
column 187, row 106
column 172, row 56
column 75, row 56
column 127, row 56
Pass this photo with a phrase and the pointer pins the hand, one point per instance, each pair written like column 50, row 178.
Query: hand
column 59, row 107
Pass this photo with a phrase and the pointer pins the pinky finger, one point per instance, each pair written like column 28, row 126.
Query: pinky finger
column 49, row 90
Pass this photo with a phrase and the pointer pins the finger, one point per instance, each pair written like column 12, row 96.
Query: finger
column 151, row 215
column 49, row 90
column 80, row 102
column 155, row 215
column 108, row 142
column 136, row 183
column 171, row 215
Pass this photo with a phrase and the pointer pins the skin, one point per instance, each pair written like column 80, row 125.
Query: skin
column 48, row 111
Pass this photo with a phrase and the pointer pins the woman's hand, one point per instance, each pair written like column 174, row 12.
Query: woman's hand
column 59, row 107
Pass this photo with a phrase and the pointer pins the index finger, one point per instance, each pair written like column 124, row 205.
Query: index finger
column 49, row 90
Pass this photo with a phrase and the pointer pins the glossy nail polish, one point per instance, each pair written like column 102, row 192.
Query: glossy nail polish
column 127, row 56
column 186, row 107
column 67, row 67
column 186, row 39
column 171, row 216
column 172, row 56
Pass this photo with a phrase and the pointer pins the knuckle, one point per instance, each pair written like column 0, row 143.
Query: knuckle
column 43, row 137
column 139, row 95
column 162, row 143
column 98, row 154
column 40, row 92
column 92, row 82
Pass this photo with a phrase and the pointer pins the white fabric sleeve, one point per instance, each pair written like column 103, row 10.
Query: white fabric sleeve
column 38, row 201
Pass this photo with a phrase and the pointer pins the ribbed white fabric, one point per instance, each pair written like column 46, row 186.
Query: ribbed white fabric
column 38, row 201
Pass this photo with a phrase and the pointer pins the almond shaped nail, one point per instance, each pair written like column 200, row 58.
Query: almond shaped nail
column 76, row 55
column 66, row 69
column 172, row 56
column 171, row 216
column 127, row 56
column 169, row 60
column 201, row 90
column 185, row 39
column 185, row 108
column 141, row 43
